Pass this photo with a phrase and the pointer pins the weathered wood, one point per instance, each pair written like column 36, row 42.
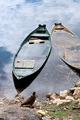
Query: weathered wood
column 36, row 40
column 29, row 64
column 67, row 45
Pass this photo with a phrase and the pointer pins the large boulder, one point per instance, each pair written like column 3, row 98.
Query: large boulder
column 18, row 113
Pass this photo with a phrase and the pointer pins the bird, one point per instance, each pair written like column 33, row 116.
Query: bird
column 30, row 100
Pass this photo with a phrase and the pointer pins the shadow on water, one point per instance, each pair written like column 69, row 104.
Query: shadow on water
column 76, row 70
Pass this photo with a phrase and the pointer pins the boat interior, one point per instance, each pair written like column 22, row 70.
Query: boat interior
column 32, row 54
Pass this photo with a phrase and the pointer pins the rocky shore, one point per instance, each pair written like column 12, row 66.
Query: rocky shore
column 11, row 110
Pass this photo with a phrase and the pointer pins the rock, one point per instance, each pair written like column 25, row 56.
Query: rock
column 60, row 102
column 61, row 97
column 63, row 94
column 52, row 96
column 3, row 101
column 78, row 101
column 18, row 98
column 76, row 94
column 73, row 89
column 55, row 101
column 69, row 98
column 77, row 84
column 47, row 117
column 17, row 113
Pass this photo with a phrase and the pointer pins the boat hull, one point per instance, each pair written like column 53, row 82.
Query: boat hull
column 31, row 57
column 24, row 82
column 66, row 45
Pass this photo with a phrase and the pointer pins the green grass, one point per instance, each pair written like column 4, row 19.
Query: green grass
column 60, row 114
column 78, row 96
column 50, row 113
column 50, row 107
column 64, row 110
column 53, row 107
column 76, row 117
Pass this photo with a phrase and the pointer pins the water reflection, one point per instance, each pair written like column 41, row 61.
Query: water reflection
column 17, row 20
column 5, row 59
column 55, row 76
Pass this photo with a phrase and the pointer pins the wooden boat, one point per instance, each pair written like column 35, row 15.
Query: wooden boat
column 31, row 57
column 67, row 45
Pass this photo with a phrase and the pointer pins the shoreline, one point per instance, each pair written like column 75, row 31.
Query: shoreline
column 52, row 99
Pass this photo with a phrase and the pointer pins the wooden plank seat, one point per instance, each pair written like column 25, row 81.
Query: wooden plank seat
column 39, row 35
column 24, row 64
column 35, row 40
column 59, row 28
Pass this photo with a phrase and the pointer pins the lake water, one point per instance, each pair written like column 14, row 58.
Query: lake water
column 17, row 19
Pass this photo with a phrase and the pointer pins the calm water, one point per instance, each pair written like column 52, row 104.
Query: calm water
column 17, row 19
